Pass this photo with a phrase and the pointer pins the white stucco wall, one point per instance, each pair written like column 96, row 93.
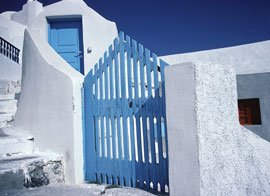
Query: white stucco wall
column 7, row 14
column 247, row 59
column 205, row 139
column 181, row 128
column 28, row 13
column 50, row 104
column 98, row 33
column 9, row 69
column 50, row 101
column 13, row 32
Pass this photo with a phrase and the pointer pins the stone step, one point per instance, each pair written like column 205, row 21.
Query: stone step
column 8, row 106
column 30, row 170
column 14, row 143
column 6, row 124
column 9, row 87
column 6, row 120
column 6, row 117
column 7, row 97
column 79, row 190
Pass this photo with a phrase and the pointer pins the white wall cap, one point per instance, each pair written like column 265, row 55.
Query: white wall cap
column 247, row 58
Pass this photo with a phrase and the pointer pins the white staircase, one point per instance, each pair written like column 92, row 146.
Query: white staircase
column 19, row 166
column 11, row 141
column 8, row 101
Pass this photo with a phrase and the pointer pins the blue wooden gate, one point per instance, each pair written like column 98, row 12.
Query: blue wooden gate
column 125, row 122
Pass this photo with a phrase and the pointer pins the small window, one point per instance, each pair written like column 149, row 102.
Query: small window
column 249, row 111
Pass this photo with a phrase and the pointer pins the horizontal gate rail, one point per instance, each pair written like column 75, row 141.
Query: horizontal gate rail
column 125, row 114
column 9, row 50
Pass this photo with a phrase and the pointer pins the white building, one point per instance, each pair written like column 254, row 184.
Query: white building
column 251, row 62
column 58, row 47
column 32, row 30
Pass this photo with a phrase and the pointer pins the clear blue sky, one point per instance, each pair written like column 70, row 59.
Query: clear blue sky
column 179, row 26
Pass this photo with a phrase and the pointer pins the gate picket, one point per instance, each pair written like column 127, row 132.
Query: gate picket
column 130, row 113
column 123, row 115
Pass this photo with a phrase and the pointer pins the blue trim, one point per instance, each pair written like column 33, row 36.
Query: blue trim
column 52, row 19
column 49, row 31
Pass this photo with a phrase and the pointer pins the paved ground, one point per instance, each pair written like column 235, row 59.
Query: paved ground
column 76, row 190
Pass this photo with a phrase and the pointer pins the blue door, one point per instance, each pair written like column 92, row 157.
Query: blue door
column 65, row 36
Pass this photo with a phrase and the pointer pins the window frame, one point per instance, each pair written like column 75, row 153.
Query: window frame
column 252, row 111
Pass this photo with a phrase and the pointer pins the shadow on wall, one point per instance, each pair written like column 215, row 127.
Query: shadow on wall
column 254, row 92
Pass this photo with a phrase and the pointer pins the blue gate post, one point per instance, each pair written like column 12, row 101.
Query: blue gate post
column 165, row 166
column 89, row 136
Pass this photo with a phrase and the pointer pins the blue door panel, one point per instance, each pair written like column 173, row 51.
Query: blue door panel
column 69, row 57
column 66, row 39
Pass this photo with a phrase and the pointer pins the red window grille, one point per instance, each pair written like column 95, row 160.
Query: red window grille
column 249, row 111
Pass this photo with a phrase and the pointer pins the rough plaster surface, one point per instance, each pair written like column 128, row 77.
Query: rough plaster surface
column 251, row 62
column 44, row 172
column 237, row 158
column 231, row 159
column 50, row 104
column 30, row 170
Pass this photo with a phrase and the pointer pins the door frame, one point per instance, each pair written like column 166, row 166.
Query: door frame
column 69, row 19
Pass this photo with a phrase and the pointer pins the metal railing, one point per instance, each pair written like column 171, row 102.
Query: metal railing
column 9, row 50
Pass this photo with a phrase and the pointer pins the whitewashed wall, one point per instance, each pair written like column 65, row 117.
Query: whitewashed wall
column 98, row 33
column 13, row 32
column 50, row 104
column 10, row 70
column 246, row 59
column 209, row 152
column 50, row 101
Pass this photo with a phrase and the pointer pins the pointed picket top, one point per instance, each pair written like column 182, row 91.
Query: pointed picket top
column 121, row 37
column 126, row 83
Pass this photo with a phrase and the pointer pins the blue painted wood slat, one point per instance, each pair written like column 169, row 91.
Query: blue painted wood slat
column 121, row 80
column 130, row 113
column 127, row 165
